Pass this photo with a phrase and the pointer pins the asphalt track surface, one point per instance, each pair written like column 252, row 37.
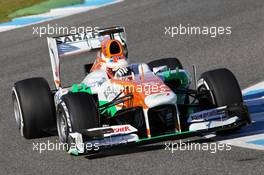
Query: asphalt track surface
column 24, row 55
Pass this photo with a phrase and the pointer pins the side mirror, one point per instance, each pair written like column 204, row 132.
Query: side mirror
column 159, row 69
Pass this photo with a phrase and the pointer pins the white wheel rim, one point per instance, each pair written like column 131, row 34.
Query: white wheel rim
column 62, row 127
column 18, row 112
column 201, row 83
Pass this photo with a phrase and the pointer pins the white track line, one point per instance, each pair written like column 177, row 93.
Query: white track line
column 243, row 141
column 254, row 87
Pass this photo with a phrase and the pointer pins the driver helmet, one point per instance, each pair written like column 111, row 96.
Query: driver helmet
column 112, row 56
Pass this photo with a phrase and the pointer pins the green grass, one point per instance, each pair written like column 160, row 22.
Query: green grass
column 9, row 6
column 15, row 8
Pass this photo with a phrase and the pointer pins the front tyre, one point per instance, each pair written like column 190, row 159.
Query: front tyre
column 77, row 111
column 33, row 107
column 223, row 89
column 223, row 86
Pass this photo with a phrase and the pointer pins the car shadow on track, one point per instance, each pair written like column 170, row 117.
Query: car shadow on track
column 253, row 129
column 125, row 150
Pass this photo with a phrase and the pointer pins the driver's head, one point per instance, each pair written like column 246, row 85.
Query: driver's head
column 112, row 55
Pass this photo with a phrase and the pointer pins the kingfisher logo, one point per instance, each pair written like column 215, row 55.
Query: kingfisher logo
column 122, row 129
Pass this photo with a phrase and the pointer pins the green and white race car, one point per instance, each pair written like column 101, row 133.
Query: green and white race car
column 134, row 104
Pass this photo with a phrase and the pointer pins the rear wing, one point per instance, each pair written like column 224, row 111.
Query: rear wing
column 78, row 43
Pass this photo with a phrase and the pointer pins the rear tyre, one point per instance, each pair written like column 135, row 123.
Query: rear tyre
column 77, row 111
column 224, row 90
column 171, row 63
column 33, row 107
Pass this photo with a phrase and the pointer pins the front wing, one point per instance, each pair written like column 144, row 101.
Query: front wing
column 200, row 123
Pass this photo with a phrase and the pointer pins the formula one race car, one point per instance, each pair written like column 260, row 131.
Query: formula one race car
column 119, row 103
